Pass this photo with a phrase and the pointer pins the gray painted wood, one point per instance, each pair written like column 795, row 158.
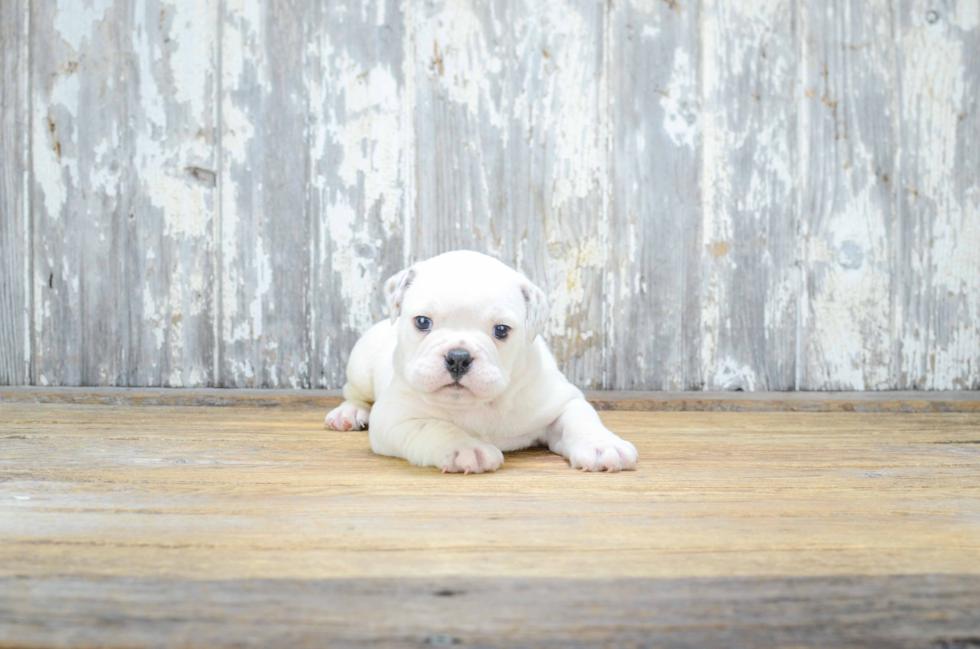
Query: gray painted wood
column 212, row 193
column 265, row 230
column 15, row 307
column 123, row 194
column 359, row 141
column 913, row 611
column 849, row 231
column 939, row 197
column 511, row 148
column 653, row 319
column 750, row 282
column 910, row 401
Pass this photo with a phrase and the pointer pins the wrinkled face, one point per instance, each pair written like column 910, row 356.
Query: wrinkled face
column 460, row 334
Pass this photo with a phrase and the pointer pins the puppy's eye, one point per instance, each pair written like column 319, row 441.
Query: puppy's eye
column 423, row 323
column 501, row 331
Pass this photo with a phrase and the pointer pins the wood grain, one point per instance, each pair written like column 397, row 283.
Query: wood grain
column 939, row 195
column 359, row 134
column 511, row 153
column 719, row 195
column 750, row 279
column 123, row 192
column 653, row 305
column 637, row 401
column 15, row 214
column 136, row 526
column 850, row 232
column 204, row 493
column 911, row 612
column 264, row 333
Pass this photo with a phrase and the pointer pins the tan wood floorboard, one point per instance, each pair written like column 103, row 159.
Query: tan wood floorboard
column 100, row 503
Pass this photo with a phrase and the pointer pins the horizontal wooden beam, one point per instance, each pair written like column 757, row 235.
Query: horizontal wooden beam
column 903, row 401
column 912, row 611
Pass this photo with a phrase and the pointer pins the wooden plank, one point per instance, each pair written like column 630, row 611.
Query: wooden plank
column 360, row 127
column 649, row 163
column 653, row 269
column 265, row 279
column 908, row 402
column 750, row 281
column 912, row 611
column 511, row 149
column 130, row 526
column 939, row 195
column 252, row 493
column 123, row 163
column 216, row 397
column 15, row 228
column 850, row 115
column 786, row 401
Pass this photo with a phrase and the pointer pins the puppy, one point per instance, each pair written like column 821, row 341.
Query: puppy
column 460, row 374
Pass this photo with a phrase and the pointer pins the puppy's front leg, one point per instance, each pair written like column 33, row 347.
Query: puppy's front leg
column 353, row 414
column 433, row 442
column 579, row 435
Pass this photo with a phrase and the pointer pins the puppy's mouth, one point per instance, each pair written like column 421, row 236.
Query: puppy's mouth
column 455, row 386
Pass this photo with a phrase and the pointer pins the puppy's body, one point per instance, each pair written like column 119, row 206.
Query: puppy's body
column 510, row 394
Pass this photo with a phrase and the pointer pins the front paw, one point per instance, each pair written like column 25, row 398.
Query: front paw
column 347, row 416
column 604, row 455
column 472, row 458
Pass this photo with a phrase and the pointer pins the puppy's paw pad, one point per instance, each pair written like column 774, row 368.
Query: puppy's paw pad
column 347, row 416
column 618, row 455
column 472, row 458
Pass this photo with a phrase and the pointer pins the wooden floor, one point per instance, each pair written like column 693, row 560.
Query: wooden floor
column 154, row 526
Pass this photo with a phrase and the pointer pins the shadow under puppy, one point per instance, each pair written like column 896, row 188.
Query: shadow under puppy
column 460, row 374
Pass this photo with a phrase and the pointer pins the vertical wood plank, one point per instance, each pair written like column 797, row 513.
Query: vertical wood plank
column 939, row 196
column 265, row 231
column 751, row 278
column 15, row 297
column 358, row 140
column 123, row 162
column 849, row 118
column 512, row 152
column 653, row 319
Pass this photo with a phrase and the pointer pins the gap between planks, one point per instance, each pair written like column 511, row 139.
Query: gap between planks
column 637, row 401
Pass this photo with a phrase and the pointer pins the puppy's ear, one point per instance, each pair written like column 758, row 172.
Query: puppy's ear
column 395, row 289
column 537, row 309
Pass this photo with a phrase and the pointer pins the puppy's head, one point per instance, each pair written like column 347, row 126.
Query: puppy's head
column 464, row 321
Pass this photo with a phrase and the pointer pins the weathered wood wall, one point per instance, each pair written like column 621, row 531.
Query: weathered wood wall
column 724, row 194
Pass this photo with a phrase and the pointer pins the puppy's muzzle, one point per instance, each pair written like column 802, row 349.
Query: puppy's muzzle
column 458, row 362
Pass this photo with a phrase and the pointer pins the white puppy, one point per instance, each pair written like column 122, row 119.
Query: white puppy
column 460, row 374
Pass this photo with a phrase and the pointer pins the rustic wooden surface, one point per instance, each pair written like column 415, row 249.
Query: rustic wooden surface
column 124, row 149
column 914, row 611
column 717, row 194
column 850, row 111
column 750, row 238
column 169, row 526
column 632, row 400
column 652, row 293
column 15, row 235
column 939, row 66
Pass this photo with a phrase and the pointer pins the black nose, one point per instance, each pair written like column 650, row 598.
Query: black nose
column 457, row 362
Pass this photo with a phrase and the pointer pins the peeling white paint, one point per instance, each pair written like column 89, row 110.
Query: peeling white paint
column 74, row 20
column 679, row 102
column 541, row 71
column 453, row 48
column 729, row 374
column 567, row 270
column 717, row 221
column 51, row 160
column 940, row 346
column 263, row 279
column 967, row 15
